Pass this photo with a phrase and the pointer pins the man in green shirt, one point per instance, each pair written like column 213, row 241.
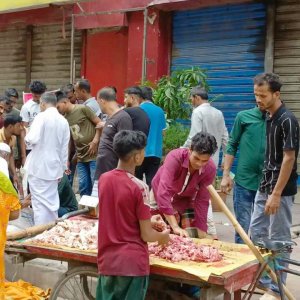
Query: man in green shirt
column 248, row 134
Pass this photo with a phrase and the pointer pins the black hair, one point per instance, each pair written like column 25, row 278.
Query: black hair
column 12, row 120
column 114, row 88
column 11, row 92
column 3, row 98
column 134, row 90
column 271, row 79
column 37, row 87
column 107, row 93
column 67, row 88
column 147, row 92
column 49, row 98
column 204, row 143
column 61, row 95
column 84, row 84
column 199, row 91
column 127, row 141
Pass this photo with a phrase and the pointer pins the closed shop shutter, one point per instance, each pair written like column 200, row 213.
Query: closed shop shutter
column 229, row 43
column 13, row 58
column 287, row 53
column 51, row 54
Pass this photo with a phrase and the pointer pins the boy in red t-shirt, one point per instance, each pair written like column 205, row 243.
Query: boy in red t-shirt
column 125, row 224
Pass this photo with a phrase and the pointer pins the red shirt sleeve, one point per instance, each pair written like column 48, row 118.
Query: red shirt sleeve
column 165, row 189
column 202, row 198
column 142, row 208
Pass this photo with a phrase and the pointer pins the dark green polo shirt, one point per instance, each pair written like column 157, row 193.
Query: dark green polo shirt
column 249, row 136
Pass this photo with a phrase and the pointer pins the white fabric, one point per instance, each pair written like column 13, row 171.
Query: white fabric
column 4, row 166
column 4, row 147
column 44, row 199
column 29, row 111
column 49, row 137
column 211, row 120
column 211, row 228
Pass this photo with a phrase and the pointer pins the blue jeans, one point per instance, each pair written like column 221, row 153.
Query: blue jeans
column 243, row 201
column 86, row 173
column 276, row 227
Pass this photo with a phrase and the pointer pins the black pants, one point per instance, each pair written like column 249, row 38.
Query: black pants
column 149, row 167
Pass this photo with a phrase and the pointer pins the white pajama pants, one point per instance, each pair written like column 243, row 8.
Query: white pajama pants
column 44, row 199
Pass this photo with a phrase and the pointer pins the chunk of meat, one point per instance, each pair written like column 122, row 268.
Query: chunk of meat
column 185, row 249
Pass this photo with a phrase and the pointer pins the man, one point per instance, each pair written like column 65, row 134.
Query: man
column 208, row 119
column 140, row 120
column 12, row 99
column 117, row 120
column 247, row 135
column 69, row 90
column 12, row 127
column 9, row 209
column 153, row 152
column 181, row 183
column 272, row 215
column 32, row 107
column 2, row 106
column 45, row 165
column 82, row 122
column 83, row 93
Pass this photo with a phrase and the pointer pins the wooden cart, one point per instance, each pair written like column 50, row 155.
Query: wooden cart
column 80, row 280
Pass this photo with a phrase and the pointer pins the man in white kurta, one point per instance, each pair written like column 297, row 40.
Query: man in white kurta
column 49, row 137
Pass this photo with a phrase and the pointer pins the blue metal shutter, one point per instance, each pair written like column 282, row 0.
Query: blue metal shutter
column 227, row 41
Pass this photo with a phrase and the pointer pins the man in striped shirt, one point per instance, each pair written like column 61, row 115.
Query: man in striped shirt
column 272, row 216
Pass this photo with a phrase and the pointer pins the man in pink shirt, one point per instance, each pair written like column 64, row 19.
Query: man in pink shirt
column 181, row 183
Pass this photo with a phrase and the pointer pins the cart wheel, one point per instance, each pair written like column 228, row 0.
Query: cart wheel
column 79, row 283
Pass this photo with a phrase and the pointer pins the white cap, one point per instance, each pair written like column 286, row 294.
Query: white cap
column 4, row 147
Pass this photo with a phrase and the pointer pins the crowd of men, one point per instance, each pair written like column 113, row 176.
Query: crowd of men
column 117, row 152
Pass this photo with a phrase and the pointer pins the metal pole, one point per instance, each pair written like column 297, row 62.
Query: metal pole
column 72, row 50
column 144, row 56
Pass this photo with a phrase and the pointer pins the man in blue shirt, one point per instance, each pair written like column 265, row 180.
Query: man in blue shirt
column 153, row 152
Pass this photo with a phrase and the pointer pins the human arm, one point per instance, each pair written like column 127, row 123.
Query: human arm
column 13, row 215
column 35, row 132
column 26, row 202
column 23, row 146
column 227, row 182
column 24, row 114
column 12, row 168
column 196, row 126
column 65, row 147
column 224, row 139
column 273, row 202
column 148, row 234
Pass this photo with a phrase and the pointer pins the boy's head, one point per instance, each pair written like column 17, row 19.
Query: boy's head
column 13, row 124
column 63, row 102
column 37, row 88
column 203, row 146
column 129, row 146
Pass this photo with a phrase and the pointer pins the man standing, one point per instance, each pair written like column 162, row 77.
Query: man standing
column 82, row 122
column 248, row 135
column 49, row 138
column 153, row 151
column 117, row 120
column 208, row 119
column 272, row 215
column 133, row 99
column 83, row 93
column 69, row 90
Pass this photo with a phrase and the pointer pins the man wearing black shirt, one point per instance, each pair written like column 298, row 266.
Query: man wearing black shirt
column 272, row 216
column 140, row 120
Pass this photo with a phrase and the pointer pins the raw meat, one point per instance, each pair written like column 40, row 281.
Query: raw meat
column 78, row 234
column 184, row 249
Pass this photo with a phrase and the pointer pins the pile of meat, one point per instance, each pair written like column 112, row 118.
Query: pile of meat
column 184, row 249
column 78, row 234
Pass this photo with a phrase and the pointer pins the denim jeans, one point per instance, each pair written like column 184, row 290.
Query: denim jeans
column 243, row 201
column 276, row 227
column 86, row 173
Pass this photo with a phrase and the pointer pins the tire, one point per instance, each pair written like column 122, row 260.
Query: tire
column 79, row 283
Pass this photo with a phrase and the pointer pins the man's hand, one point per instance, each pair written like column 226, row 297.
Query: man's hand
column 93, row 148
column 23, row 159
column 179, row 231
column 158, row 223
column 16, row 180
column 26, row 202
column 272, row 205
column 165, row 237
column 226, row 184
